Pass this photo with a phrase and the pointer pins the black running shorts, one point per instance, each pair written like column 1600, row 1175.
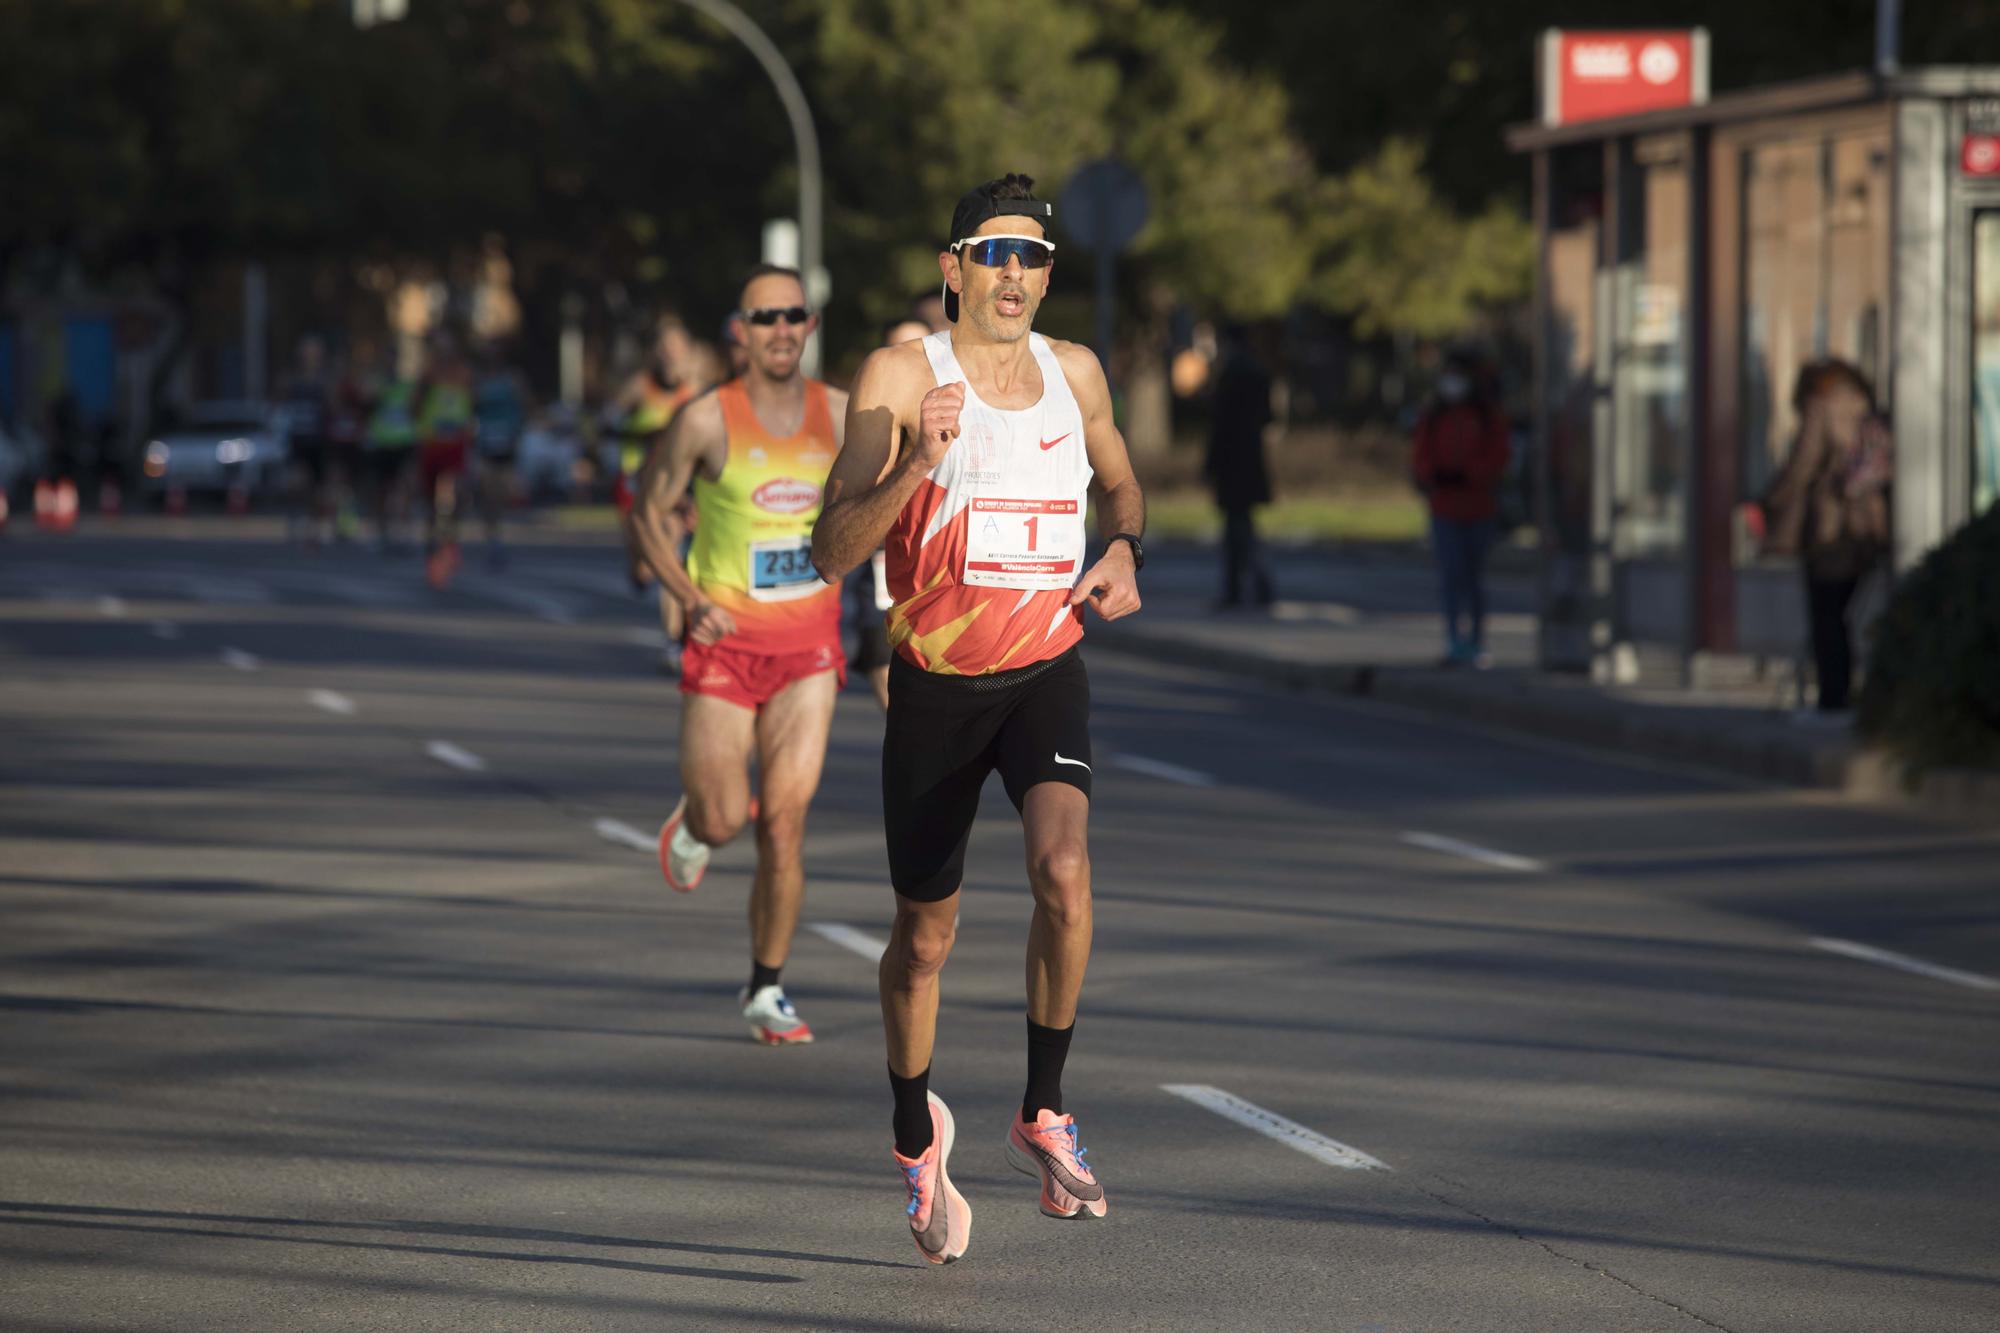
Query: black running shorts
column 946, row 733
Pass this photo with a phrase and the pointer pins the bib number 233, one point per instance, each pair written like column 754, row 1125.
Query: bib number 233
column 782, row 569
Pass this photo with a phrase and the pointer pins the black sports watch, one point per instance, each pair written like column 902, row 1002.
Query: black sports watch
column 1138, row 551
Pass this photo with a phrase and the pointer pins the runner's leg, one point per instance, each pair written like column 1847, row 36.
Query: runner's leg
column 1056, row 817
column 791, row 734
column 919, row 942
column 717, row 738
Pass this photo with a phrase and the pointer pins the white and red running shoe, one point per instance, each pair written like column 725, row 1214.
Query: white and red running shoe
column 772, row 1019
column 940, row 1218
column 1050, row 1148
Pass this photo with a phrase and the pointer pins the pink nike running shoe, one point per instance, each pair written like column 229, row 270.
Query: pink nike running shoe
column 1050, row 1148
column 940, row 1218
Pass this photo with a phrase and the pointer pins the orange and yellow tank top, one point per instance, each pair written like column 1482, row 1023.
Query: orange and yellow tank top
column 752, row 552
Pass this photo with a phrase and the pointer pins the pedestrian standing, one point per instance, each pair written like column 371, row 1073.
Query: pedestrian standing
column 1460, row 456
column 1236, row 470
column 1829, row 506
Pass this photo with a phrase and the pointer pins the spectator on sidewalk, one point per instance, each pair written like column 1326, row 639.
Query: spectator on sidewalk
column 1460, row 455
column 1829, row 506
column 1235, row 467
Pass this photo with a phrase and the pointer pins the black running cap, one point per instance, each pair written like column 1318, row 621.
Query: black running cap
column 975, row 209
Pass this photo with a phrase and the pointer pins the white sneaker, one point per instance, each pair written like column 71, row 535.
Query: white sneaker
column 771, row 1017
column 683, row 857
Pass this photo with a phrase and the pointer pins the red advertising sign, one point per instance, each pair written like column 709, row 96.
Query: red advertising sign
column 1979, row 155
column 1592, row 75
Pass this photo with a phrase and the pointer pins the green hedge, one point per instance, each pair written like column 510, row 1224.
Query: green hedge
column 1932, row 697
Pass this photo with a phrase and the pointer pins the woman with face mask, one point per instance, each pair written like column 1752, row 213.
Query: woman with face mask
column 1459, row 458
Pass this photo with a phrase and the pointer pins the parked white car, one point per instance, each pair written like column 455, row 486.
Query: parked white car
column 216, row 446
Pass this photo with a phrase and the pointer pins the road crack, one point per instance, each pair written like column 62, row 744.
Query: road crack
column 1544, row 1246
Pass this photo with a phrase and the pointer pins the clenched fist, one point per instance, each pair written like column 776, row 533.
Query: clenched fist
column 937, row 423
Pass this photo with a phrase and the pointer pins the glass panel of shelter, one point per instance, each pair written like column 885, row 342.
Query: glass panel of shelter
column 1816, row 280
column 1985, row 359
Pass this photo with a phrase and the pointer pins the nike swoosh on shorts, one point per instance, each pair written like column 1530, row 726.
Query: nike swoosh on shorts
column 1078, row 762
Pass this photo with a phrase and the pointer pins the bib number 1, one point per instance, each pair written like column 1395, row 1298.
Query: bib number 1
column 1028, row 544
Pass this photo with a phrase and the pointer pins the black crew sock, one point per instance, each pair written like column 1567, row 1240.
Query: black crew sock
column 1048, row 1048
column 914, row 1130
column 761, row 976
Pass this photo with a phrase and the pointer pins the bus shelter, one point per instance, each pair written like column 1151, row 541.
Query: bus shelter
column 1691, row 260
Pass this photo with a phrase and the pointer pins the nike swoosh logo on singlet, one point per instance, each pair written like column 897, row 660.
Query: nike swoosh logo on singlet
column 1050, row 444
column 1078, row 762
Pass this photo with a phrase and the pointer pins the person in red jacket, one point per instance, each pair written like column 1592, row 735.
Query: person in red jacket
column 1460, row 456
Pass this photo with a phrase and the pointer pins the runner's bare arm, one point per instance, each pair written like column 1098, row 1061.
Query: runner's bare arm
column 694, row 439
column 1111, row 585
column 874, row 476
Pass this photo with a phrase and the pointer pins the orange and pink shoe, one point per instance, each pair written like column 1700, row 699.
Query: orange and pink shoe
column 940, row 1218
column 1050, row 1148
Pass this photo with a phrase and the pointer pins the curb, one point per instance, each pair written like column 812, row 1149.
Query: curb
column 1579, row 716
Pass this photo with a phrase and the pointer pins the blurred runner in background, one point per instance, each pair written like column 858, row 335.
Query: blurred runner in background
column 639, row 418
column 500, row 409
column 390, row 446
column 445, row 428
column 308, row 401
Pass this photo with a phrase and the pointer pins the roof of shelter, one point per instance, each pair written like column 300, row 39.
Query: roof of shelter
column 1822, row 93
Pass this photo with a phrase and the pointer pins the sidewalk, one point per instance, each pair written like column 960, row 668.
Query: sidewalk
column 1363, row 622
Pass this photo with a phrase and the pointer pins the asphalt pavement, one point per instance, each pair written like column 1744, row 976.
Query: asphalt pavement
column 341, row 991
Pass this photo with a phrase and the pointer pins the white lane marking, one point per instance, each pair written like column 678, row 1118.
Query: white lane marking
column 1272, row 1125
column 241, row 660
column 647, row 638
column 847, row 937
column 1472, row 851
column 166, row 629
column 447, row 753
column 111, row 606
column 1870, row 954
column 329, row 702
column 1160, row 768
column 618, row 831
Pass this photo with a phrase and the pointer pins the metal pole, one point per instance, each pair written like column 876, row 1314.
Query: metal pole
column 1888, row 36
column 794, row 99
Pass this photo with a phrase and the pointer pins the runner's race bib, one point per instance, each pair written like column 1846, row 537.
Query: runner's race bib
column 1034, row 545
column 781, row 569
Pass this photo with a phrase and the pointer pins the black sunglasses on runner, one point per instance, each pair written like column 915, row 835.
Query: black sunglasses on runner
column 765, row 316
column 995, row 251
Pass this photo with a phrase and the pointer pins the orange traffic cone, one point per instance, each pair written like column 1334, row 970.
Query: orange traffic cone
column 45, row 504
column 6, row 511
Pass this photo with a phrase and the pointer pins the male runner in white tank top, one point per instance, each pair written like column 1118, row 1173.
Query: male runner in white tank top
column 971, row 452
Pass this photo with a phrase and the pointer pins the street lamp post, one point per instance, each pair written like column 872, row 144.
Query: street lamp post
column 793, row 97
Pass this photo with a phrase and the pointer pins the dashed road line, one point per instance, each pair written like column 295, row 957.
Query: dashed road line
column 1160, row 768
column 1868, row 953
column 241, row 660
column 1472, row 851
column 1272, row 1125
column 327, row 701
column 847, row 937
column 618, row 831
column 165, row 629
column 111, row 606
column 447, row 753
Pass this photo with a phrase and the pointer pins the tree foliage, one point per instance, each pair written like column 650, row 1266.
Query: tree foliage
column 1401, row 261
